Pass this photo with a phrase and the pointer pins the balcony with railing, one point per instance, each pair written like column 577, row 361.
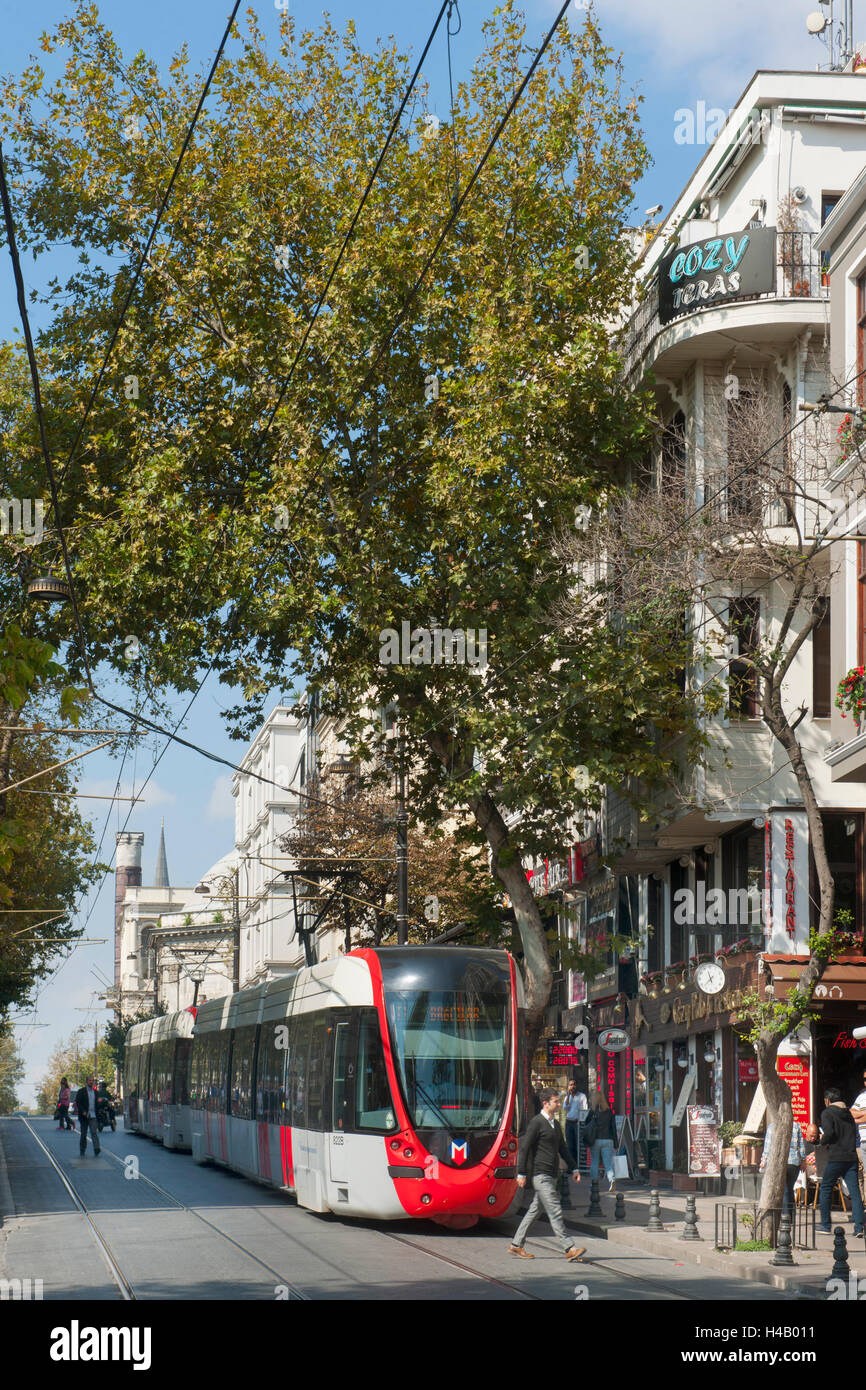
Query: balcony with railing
column 801, row 274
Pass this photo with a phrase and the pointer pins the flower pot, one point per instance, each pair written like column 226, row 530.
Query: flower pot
column 729, row 1157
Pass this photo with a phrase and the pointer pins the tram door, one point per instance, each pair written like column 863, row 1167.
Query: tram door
column 344, row 1075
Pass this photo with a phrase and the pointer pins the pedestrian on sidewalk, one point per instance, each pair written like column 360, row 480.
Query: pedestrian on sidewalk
column 85, row 1101
column 858, row 1111
column 839, row 1137
column 541, row 1148
column 602, row 1127
column 796, row 1161
column 576, row 1111
column 63, row 1100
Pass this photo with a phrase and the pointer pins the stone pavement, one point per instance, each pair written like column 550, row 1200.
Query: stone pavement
column 807, row 1277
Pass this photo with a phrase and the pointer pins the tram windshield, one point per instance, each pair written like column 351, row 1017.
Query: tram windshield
column 451, row 1050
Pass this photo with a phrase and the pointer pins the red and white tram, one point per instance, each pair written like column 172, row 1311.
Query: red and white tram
column 381, row 1084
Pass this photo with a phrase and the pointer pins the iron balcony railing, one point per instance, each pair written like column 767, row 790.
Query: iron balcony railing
column 801, row 273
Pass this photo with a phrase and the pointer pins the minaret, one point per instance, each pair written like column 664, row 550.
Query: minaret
column 160, row 878
column 127, row 874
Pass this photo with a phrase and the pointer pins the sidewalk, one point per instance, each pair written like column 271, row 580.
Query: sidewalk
column 807, row 1277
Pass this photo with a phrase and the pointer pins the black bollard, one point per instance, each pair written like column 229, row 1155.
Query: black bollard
column 690, row 1229
column 783, row 1255
column 594, row 1208
column 841, row 1268
column 619, row 1214
column 655, row 1212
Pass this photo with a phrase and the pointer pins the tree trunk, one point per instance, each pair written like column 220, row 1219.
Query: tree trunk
column 780, row 1111
column 506, row 865
column 776, row 1091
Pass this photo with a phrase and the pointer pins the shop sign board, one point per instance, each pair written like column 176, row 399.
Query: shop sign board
column 717, row 270
column 795, row 1071
column 613, row 1039
column 748, row 1067
column 703, row 1124
column 787, row 925
column 845, row 1040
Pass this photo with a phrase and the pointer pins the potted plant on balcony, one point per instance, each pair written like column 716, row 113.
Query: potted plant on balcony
column 851, row 694
column 850, row 435
column 790, row 248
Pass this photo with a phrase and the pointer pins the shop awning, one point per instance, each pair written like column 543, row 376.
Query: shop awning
column 844, row 979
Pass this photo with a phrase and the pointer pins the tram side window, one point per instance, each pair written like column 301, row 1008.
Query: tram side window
column 203, row 1044
column 223, row 1056
column 130, row 1071
column 208, row 1062
column 297, row 1097
column 270, row 1073
column 183, row 1058
column 242, row 1072
column 319, row 1038
column 194, row 1073
column 373, row 1096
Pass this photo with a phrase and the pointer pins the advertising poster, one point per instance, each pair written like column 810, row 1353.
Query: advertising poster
column 795, row 1070
column 703, row 1121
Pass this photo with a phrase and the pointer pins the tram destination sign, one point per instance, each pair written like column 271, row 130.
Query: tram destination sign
column 716, row 270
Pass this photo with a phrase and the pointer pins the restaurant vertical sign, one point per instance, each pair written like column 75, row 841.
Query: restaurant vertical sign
column 786, row 895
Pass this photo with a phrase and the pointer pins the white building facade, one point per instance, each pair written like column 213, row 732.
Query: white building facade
column 736, row 299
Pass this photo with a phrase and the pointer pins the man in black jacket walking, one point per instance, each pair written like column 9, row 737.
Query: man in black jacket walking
column 839, row 1137
column 85, row 1103
column 541, row 1148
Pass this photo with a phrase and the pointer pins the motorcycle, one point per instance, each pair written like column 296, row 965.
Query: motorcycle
column 105, row 1114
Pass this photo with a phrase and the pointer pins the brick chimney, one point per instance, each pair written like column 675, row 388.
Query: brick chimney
column 127, row 874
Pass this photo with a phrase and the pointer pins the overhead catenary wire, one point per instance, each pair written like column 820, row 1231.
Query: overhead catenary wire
column 155, row 228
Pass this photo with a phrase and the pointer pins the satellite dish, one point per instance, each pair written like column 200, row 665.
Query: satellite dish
column 816, row 22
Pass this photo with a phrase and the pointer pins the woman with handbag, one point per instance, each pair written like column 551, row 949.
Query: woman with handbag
column 602, row 1129
column 62, row 1113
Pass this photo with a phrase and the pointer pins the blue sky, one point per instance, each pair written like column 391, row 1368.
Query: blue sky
column 676, row 54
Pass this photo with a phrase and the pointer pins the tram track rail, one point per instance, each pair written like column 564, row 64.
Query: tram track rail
column 127, row 1291
column 671, row 1290
column 464, row 1268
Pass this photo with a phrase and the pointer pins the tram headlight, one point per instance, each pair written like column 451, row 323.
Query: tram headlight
column 408, row 1153
column 395, row 1144
column 512, row 1145
column 426, row 1199
column 503, row 1153
column 491, row 1200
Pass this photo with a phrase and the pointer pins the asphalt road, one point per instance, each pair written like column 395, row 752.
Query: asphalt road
column 209, row 1234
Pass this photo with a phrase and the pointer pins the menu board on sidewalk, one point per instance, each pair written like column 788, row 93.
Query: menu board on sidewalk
column 703, row 1121
column 795, row 1070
